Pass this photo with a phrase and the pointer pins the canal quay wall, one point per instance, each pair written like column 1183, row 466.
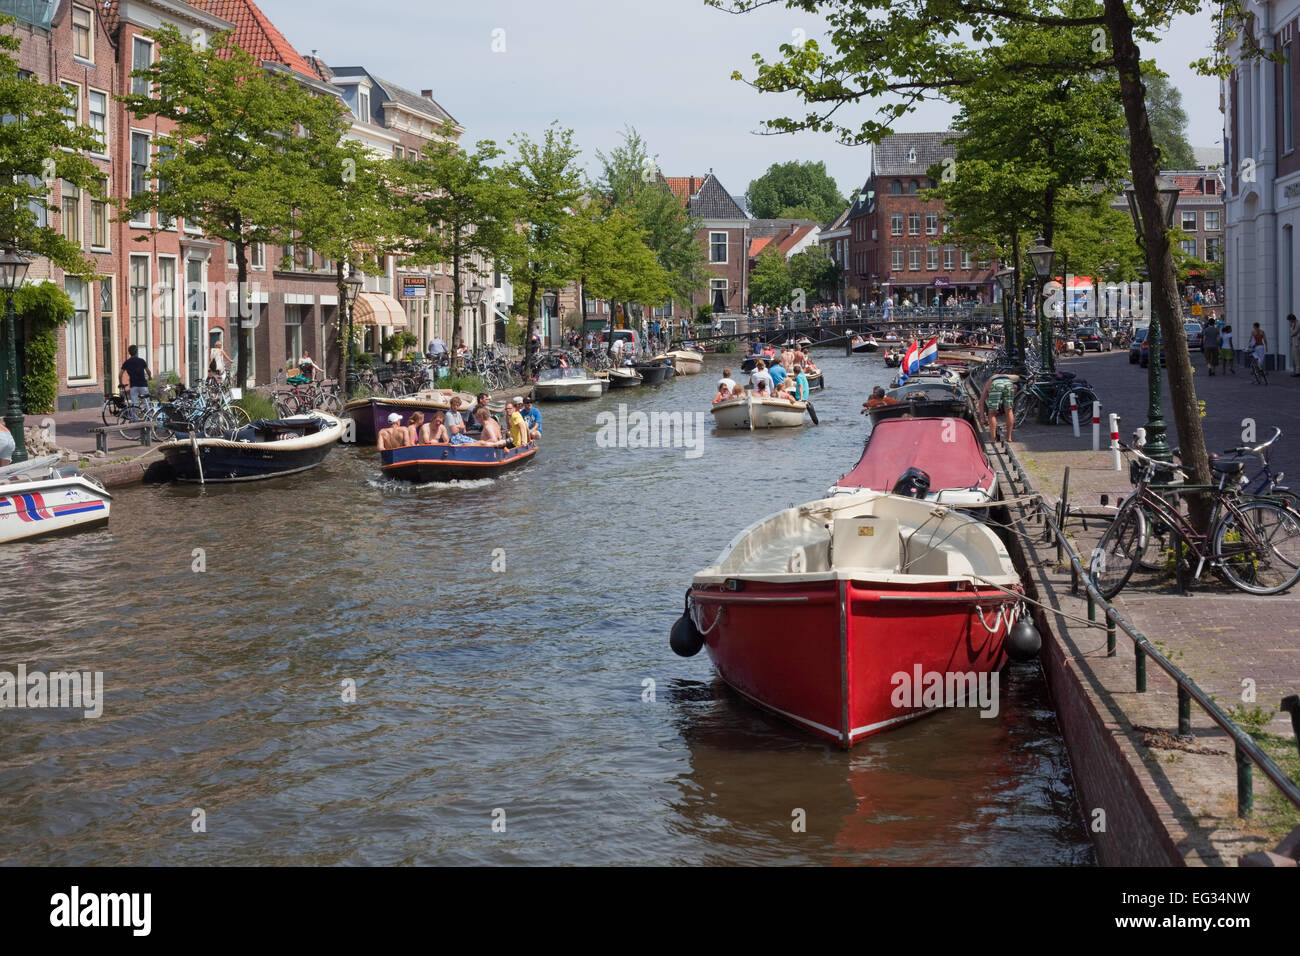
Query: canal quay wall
column 1148, row 796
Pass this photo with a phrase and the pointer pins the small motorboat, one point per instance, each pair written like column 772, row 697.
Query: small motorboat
column 931, row 373
column 863, row 345
column 893, row 358
column 854, row 614
column 653, row 372
column 620, row 377
column 39, row 497
column 369, row 416
column 922, row 399
column 565, row 383
column 939, row 459
column 426, row 463
column 687, row 361
column 816, row 379
column 750, row 412
column 266, row 448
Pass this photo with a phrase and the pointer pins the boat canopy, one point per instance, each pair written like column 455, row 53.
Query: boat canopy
column 947, row 449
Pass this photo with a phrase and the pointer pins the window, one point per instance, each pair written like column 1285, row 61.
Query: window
column 949, row 257
column 1211, row 220
column 139, row 167
column 71, row 208
column 1188, row 246
column 718, row 288
column 140, row 303
column 912, row 187
column 931, row 223
column 1189, row 221
column 164, row 153
column 965, row 259
column 1213, row 250
column 896, row 259
column 257, row 255
column 1287, row 144
column 99, row 119
column 106, row 301
column 363, row 104
column 895, row 223
column 895, row 188
column 72, row 108
column 40, row 211
column 913, row 223
column 914, row 259
column 932, row 259
column 718, row 247
column 167, row 314
column 78, row 331
column 397, row 152
column 141, row 59
column 83, row 37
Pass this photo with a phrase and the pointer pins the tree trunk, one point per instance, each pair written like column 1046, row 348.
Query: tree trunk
column 243, row 311
column 345, row 326
column 455, row 298
column 1144, row 164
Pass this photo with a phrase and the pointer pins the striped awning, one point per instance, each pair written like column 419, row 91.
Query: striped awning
column 376, row 308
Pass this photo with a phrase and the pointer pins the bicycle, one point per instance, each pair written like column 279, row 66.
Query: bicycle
column 1054, row 394
column 1257, row 374
column 1253, row 543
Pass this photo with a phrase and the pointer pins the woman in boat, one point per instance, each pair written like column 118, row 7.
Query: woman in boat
column 738, row 392
column 723, row 394
column 878, row 398
column 416, row 428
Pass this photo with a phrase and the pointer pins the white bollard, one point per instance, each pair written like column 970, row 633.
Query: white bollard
column 1074, row 413
column 1114, row 440
column 1096, row 426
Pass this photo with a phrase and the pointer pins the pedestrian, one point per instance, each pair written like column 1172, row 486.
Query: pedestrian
column 999, row 395
column 1210, row 341
column 1227, row 355
column 1295, row 345
column 218, row 361
column 135, row 375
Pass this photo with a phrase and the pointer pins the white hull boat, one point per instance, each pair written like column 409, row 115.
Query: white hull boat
column 35, row 505
column 751, row 413
column 687, row 361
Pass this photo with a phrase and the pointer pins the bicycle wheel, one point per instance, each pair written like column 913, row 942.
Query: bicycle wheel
column 215, row 423
column 1084, row 397
column 1023, row 406
column 111, row 410
column 1257, row 547
column 1119, row 550
column 238, row 416
column 130, row 416
column 1157, row 543
column 158, row 428
column 286, row 404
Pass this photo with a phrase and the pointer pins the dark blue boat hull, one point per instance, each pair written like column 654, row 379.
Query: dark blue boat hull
column 426, row 463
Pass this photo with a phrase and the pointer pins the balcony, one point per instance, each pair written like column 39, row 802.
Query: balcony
column 37, row 13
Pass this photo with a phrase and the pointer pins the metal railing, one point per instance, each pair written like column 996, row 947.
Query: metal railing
column 1248, row 752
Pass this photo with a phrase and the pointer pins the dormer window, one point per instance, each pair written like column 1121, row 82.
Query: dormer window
column 363, row 104
column 911, row 155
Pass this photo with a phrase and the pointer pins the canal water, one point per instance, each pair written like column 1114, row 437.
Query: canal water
column 516, row 700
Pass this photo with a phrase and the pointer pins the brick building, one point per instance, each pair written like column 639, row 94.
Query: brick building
column 896, row 237
column 725, row 236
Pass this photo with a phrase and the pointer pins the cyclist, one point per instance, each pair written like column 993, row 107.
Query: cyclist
column 1258, row 345
column 999, row 395
column 136, row 373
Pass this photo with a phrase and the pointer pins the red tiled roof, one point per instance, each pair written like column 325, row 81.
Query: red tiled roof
column 791, row 239
column 257, row 34
column 758, row 245
column 684, row 187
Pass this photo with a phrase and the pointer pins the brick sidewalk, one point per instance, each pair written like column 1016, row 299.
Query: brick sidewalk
column 1217, row 635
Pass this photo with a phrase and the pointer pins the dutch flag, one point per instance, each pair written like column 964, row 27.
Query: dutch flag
column 909, row 363
column 928, row 354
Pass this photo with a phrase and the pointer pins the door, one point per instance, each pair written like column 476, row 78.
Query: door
column 195, row 307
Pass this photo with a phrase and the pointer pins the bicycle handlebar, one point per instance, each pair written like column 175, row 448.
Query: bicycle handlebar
column 1150, row 462
column 1257, row 449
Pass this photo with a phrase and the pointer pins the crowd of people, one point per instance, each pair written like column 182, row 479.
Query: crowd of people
column 472, row 426
column 782, row 375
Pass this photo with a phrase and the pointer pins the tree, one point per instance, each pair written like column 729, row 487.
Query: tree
column 769, row 281
column 547, row 184
column 815, row 272
column 38, row 146
column 611, row 260
column 1168, row 119
column 802, row 187
column 899, row 53
column 238, row 164
column 459, row 208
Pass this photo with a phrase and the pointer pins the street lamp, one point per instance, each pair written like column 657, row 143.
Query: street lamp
column 352, row 288
column 13, row 268
column 1157, row 445
column 549, row 298
column 1007, row 281
column 475, row 295
column 1041, row 257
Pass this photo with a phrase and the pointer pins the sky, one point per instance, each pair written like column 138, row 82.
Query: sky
column 502, row 67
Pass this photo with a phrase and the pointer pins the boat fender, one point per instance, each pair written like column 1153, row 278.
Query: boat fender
column 812, row 413
column 1024, row 642
column 685, row 638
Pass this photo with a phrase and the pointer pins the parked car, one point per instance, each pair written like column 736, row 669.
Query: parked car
column 1091, row 338
column 1193, row 330
column 1140, row 352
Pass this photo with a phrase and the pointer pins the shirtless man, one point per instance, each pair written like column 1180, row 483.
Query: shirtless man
column 395, row 435
column 491, row 434
column 435, row 432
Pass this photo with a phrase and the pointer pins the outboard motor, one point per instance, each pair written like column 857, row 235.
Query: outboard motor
column 913, row 483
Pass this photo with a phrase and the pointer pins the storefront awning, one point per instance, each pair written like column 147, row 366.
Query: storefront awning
column 376, row 308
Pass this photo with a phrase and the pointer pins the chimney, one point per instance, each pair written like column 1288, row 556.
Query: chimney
column 427, row 94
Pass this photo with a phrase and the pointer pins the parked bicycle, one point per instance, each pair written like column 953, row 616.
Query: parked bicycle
column 1252, row 542
column 1053, row 393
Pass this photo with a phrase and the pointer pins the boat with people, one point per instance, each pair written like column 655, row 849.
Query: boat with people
column 446, row 462
column 566, row 383
column 369, row 416
column 767, row 353
column 41, row 497
column 266, row 448
column 864, row 344
column 923, row 398
column 751, row 412
column 930, row 373
column 823, row 612
column 939, row 459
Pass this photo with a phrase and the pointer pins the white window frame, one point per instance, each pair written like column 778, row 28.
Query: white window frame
column 69, row 86
column 257, row 256
column 966, row 262
column 70, row 191
column 1217, row 220
column 914, row 259
column 168, row 363
column 89, row 56
column 949, row 258
column 88, row 351
column 931, row 223
column 726, row 248
column 896, row 260
column 913, row 223
column 142, row 223
column 932, row 259
column 895, row 224
column 134, row 80
column 131, row 317
column 1183, row 220
column 108, row 99
column 363, row 103
column 1184, row 243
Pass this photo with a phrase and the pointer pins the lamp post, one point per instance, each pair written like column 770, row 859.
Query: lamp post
column 13, row 268
column 352, row 288
column 475, row 296
column 1041, row 257
column 549, row 298
column 1006, row 281
column 1157, row 445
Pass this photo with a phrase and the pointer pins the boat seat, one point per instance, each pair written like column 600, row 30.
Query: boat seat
column 931, row 561
column 865, row 541
column 810, row 558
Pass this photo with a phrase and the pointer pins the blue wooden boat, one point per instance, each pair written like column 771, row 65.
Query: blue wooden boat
column 267, row 448
column 425, row 463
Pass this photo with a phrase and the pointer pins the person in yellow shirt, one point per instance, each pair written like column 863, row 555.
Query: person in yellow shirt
column 515, row 422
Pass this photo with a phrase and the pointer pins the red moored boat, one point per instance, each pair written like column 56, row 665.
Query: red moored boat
column 946, row 451
column 853, row 614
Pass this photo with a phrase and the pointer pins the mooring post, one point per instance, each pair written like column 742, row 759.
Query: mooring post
column 1110, row 634
column 1245, row 785
column 1140, row 668
column 1184, row 712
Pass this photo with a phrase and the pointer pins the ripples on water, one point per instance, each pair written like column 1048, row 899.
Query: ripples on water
column 477, row 690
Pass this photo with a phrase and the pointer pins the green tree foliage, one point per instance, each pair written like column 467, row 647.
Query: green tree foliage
column 1168, row 119
column 38, row 146
column 769, row 281
column 787, row 189
column 242, row 160
column 45, row 307
column 459, row 205
column 814, row 271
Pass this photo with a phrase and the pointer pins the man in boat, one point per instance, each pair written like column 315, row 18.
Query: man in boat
column 454, row 420
column 515, row 421
column 999, row 394
column 395, row 435
column 801, row 386
column 532, row 417
column 727, row 380
column 878, row 398
column 435, row 432
column 490, row 431
column 760, row 376
column 778, row 374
